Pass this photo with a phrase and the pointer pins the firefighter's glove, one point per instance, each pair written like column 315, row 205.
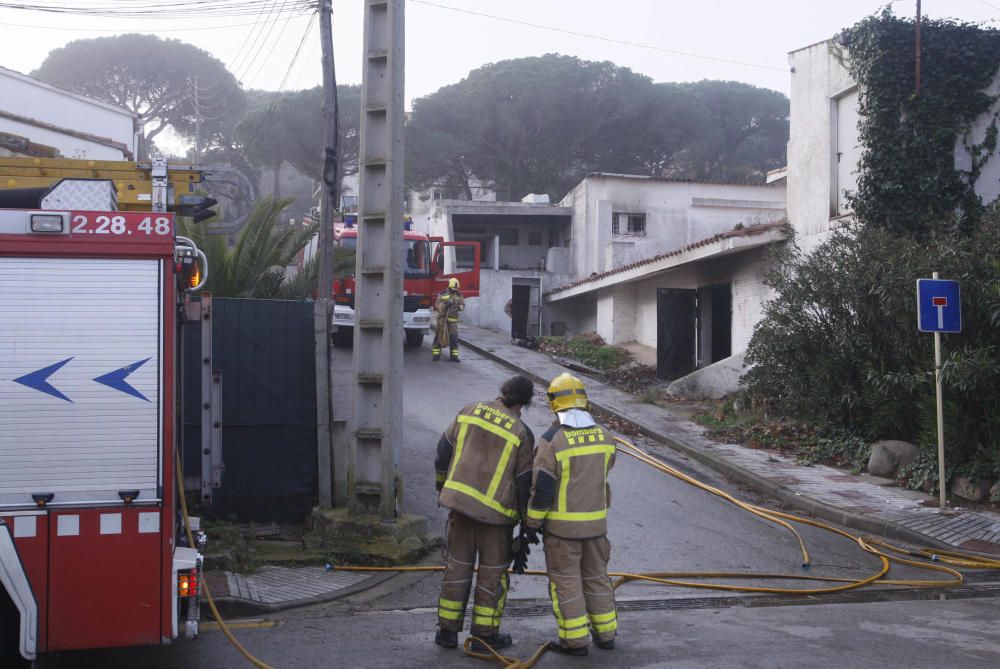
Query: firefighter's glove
column 531, row 534
column 521, row 553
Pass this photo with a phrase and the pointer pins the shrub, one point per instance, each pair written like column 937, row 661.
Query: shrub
column 839, row 347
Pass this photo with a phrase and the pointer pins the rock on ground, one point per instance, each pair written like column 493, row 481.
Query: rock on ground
column 712, row 382
column 974, row 491
column 889, row 456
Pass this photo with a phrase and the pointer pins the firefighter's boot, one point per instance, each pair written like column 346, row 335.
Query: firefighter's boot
column 606, row 645
column 495, row 641
column 446, row 638
column 557, row 646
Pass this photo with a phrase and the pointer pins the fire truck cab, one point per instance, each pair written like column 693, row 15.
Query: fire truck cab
column 92, row 553
column 425, row 260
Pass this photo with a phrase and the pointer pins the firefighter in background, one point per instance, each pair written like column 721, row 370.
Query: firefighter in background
column 483, row 468
column 569, row 506
column 449, row 303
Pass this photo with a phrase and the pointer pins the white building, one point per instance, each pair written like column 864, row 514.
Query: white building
column 671, row 264
column 34, row 112
column 823, row 146
column 524, row 250
column 620, row 219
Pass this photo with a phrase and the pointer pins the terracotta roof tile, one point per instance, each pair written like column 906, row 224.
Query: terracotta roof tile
column 742, row 232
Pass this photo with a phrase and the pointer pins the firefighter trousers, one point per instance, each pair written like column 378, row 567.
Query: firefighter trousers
column 452, row 344
column 582, row 598
column 493, row 544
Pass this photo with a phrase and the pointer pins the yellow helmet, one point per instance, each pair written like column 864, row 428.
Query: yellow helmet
column 567, row 392
column 453, row 283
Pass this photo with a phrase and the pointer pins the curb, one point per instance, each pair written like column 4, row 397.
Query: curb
column 235, row 607
column 885, row 528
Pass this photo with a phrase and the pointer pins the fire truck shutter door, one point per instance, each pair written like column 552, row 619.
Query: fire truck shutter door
column 80, row 377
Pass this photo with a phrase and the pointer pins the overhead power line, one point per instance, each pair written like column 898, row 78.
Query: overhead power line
column 127, row 30
column 146, row 9
column 989, row 4
column 602, row 38
column 264, row 122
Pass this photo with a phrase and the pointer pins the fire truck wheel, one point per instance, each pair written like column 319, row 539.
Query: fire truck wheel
column 343, row 339
column 9, row 635
column 414, row 338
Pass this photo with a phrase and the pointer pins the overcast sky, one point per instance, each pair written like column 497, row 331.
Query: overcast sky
column 443, row 45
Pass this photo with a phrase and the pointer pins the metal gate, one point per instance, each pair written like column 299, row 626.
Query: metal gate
column 264, row 355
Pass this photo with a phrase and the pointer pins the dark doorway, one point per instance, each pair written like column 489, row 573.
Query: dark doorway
column 675, row 332
column 525, row 308
column 520, row 306
column 722, row 322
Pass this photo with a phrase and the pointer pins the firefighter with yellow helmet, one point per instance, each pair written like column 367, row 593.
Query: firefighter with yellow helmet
column 569, row 507
column 483, row 467
column 449, row 304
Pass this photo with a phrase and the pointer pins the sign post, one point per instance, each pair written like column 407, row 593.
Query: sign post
column 939, row 310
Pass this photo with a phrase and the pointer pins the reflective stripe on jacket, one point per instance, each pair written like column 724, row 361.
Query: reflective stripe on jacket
column 449, row 303
column 490, row 447
column 570, row 493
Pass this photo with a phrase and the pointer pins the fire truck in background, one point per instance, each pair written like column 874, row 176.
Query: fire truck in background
column 92, row 548
column 425, row 262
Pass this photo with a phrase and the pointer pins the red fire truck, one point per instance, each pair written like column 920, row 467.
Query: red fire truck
column 91, row 548
column 425, row 260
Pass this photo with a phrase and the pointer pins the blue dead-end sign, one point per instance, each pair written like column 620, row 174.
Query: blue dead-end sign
column 938, row 306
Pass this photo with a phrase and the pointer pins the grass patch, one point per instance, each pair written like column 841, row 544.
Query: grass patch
column 588, row 349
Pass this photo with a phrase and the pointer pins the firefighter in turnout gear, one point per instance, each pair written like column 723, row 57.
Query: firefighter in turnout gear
column 483, row 468
column 449, row 303
column 569, row 506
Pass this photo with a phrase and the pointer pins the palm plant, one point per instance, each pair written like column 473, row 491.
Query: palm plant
column 257, row 265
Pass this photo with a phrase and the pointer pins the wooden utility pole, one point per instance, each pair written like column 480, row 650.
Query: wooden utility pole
column 328, row 203
column 916, row 89
column 376, row 420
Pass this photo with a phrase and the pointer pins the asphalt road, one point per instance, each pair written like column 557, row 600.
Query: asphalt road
column 657, row 524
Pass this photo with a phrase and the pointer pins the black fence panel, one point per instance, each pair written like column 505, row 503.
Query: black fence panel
column 266, row 353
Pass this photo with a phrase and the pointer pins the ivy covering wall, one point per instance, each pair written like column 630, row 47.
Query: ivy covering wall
column 907, row 180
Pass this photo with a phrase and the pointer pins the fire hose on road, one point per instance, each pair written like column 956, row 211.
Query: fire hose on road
column 885, row 552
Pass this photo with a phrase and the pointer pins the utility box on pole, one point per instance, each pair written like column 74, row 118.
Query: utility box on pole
column 375, row 426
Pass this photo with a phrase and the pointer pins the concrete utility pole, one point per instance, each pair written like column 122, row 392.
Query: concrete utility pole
column 375, row 424
column 916, row 88
column 328, row 203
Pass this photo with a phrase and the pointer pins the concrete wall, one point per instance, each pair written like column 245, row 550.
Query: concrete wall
column 749, row 294
column 616, row 314
column 818, row 80
column 577, row 316
column 33, row 99
column 677, row 214
column 487, row 310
